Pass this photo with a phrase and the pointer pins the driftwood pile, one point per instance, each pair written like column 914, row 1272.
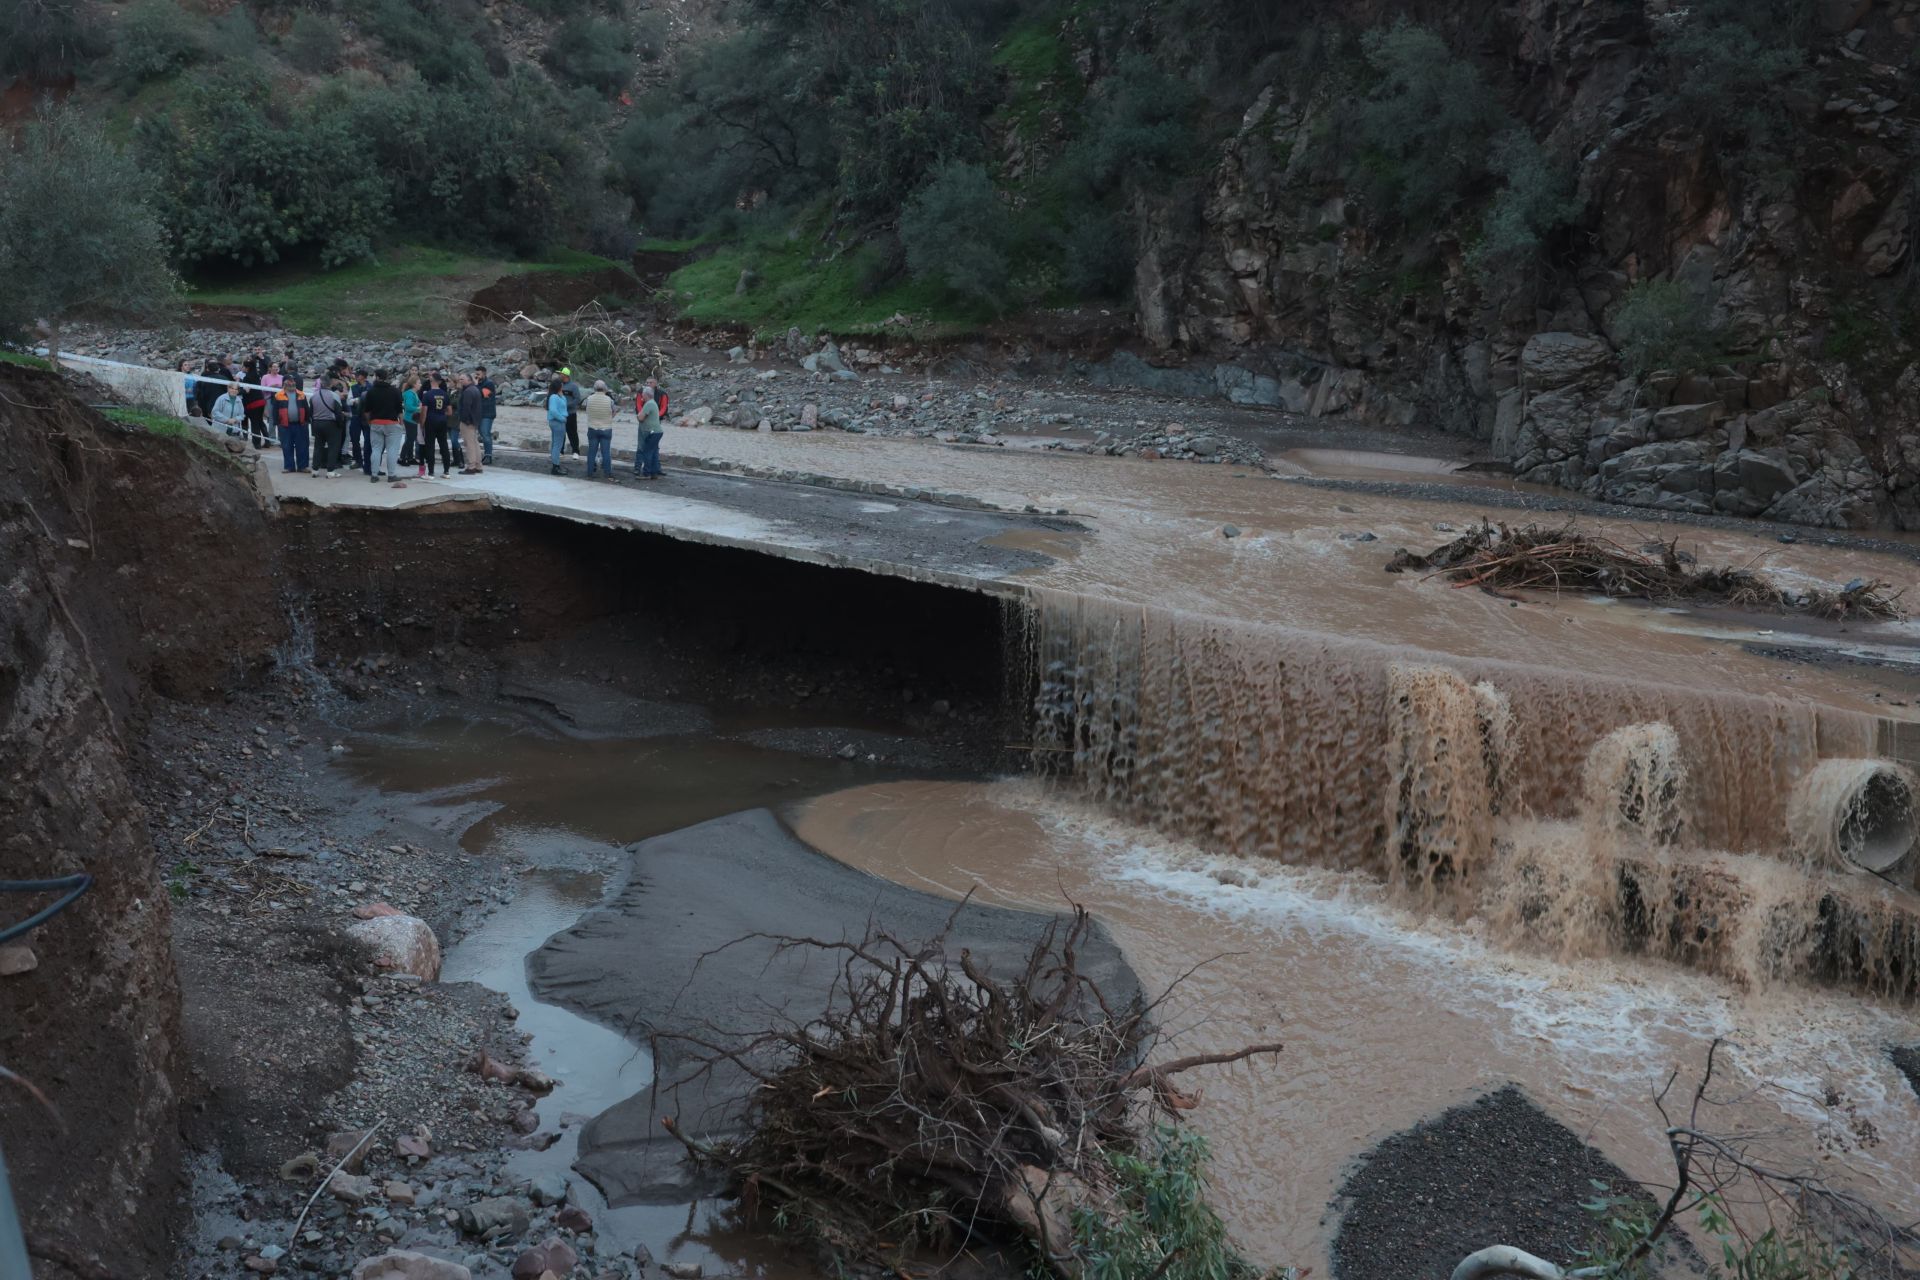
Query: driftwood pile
column 1532, row 558
column 592, row 338
column 934, row 1106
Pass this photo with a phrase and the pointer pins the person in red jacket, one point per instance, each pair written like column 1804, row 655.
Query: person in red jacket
column 289, row 413
column 659, row 398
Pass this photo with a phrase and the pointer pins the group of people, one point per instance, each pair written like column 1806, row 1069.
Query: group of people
column 383, row 426
column 367, row 422
column 566, row 402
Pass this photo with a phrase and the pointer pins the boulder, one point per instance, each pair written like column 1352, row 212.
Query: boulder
column 698, row 417
column 809, row 415
column 402, row 943
column 1553, row 360
column 350, row 1188
column 1684, row 421
column 405, row 1264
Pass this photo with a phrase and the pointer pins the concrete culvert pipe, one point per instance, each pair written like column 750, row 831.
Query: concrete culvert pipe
column 1856, row 815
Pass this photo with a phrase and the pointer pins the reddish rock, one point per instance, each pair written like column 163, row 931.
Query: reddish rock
column 402, row 943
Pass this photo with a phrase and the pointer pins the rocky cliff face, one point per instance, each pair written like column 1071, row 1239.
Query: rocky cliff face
column 1293, row 293
column 91, row 517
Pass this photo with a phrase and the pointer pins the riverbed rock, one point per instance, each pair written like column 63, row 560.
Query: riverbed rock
column 350, row 1188
column 405, row 1264
column 17, row 958
column 548, row 1189
column 402, row 943
column 699, row 416
column 496, row 1215
column 347, row 1148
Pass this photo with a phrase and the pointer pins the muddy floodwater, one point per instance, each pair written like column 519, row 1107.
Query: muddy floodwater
column 1390, row 1013
column 1390, row 1016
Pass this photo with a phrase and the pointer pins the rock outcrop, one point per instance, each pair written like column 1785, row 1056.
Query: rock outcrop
column 1288, row 290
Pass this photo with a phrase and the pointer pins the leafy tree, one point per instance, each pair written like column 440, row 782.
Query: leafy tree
column 957, row 233
column 1141, row 127
column 1535, row 197
column 1096, row 253
column 313, row 43
column 593, row 52
column 1427, row 127
column 156, row 38
column 76, row 232
column 1736, row 68
column 49, row 38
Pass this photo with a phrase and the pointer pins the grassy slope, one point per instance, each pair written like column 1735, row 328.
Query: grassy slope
column 794, row 290
column 408, row 291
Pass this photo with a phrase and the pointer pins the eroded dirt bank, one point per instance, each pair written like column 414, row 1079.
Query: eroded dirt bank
column 126, row 575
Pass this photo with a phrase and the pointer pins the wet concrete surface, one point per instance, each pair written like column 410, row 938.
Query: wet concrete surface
column 899, row 536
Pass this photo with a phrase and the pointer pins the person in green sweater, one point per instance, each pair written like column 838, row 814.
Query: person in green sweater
column 410, row 415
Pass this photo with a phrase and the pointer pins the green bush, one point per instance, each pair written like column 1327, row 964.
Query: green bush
column 1535, row 197
column 1096, row 254
column 592, row 52
column 50, row 38
column 1735, row 69
column 156, row 38
column 446, row 41
column 1663, row 324
column 1141, row 126
column 76, row 230
column 1159, row 1223
column 313, row 43
column 957, row 234
column 1427, row 128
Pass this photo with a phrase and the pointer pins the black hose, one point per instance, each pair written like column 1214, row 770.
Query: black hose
column 74, row 884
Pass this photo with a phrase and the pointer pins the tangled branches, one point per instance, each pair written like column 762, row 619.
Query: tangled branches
column 1770, row 1223
column 1530, row 558
column 591, row 338
column 932, row 1103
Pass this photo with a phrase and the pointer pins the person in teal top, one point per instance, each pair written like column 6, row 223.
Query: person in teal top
column 557, row 407
column 410, row 415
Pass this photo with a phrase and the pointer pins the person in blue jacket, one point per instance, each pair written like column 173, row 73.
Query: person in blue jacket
column 557, row 409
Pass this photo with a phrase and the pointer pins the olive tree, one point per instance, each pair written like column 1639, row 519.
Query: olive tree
column 76, row 232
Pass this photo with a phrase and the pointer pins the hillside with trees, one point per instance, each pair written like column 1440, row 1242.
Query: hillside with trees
column 1655, row 252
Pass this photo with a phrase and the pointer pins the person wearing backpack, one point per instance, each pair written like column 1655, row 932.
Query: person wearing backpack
column 329, row 413
column 289, row 413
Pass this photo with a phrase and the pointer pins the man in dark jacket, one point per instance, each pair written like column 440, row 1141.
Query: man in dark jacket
column 489, row 394
column 382, row 407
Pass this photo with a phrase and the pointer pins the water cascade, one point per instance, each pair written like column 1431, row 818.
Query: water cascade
column 1581, row 815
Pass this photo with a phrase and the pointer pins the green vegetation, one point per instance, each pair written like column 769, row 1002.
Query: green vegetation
column 1161, row 1224
column 63, row 248
column 1426, row 131
column 1535, row 198
column 24, row 358
column 1852, row 333
column 1663, row 324
column 592, row 52
column 957, row 235
column 794, row 287
column 166, row 426
column 406, row 291
column 1738, row 70
column 239, row 183
column 156, row 38
column 49, row 38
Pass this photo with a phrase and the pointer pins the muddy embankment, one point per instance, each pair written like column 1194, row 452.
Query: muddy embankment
column 132, row 569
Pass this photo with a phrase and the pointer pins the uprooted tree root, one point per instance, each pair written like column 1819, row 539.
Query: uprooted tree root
column 592, row 338
column 933, row 1105
column 1532, row 558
